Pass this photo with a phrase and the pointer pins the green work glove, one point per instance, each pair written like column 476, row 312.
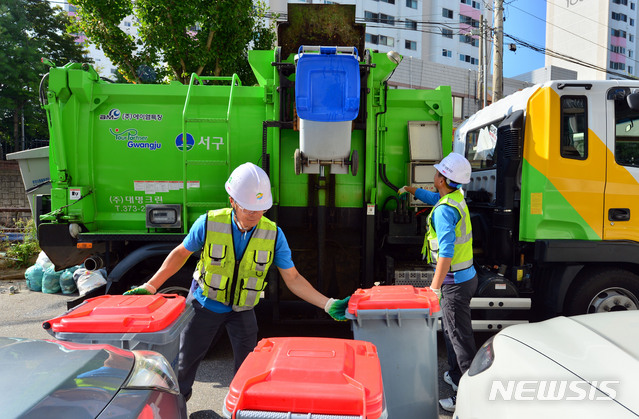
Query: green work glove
column 337, row 308
column 145, row 289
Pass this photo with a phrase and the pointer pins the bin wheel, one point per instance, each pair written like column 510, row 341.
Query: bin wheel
column 354, row 162
column 298, row 162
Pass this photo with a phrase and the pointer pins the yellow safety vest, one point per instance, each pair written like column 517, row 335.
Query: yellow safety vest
column 225, row 279
column 463, row 256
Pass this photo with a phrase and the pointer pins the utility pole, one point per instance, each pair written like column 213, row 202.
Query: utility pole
column 485, row 70
column 498, row 49
column 480, row 73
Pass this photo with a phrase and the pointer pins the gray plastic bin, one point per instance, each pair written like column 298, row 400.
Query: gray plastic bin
column 401, row 321
column 133, row 322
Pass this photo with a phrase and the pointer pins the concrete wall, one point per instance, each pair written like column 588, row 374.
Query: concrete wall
column 12, row 194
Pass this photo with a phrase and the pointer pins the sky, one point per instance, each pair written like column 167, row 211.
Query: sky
column 526, row 20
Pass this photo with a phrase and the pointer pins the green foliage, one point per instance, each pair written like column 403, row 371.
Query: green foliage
column 23, row 254
column 29, row 30
column 176, row 38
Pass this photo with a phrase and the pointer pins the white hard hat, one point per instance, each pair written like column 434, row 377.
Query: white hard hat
column 250, row 187
column 454, row 167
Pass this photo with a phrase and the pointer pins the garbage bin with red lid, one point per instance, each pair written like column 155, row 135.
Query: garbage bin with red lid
column 401, row 321
column 300, row 377
column 149, row 322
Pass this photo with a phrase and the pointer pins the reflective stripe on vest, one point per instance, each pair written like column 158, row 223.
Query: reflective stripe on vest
column 463, row 251
column 226, row 280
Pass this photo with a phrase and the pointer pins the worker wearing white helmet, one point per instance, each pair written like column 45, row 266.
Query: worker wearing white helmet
column 449, row 246
column 238, row 246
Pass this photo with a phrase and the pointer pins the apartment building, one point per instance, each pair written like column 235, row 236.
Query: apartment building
column 600, row 33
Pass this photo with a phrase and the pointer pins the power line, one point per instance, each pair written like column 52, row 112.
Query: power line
column 572, row 33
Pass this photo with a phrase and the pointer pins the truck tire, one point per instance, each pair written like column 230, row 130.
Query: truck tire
column 602, row 291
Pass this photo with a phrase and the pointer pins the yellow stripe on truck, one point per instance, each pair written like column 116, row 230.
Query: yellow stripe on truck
column 580, row 182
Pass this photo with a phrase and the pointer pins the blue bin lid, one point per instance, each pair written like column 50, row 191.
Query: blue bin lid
column 327, row 85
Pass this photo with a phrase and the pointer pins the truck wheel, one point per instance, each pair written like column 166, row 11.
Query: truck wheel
column 602, row 291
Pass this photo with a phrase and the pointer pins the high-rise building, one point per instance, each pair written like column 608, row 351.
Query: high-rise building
column 598, row 36
column 440, row 31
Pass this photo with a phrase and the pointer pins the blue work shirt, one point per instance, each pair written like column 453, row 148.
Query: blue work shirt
column 444, row 220
column 194, row 241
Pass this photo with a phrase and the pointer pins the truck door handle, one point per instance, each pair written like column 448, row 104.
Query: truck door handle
column 619, row 214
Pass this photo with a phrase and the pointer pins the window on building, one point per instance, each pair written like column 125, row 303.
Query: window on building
column 389, row 41
column 373, row 39
column 574, row 127
column 379, row 18
column 447, row 13
column 624, row 2
column 458, row 107
column 632, row 6
column 411, row 3
column 127, row 24
column 387, row 19
column 447, row 33
column 411, row 24
column 619, row 17
column 631, row 38
column 619, row 33
column 468, row 59
column 631, row 70
column 632, row 22
column 467, row 20
column 412, row 45
column 388, row 1
column 617, row 49
column 467, row 39
column 447, row 53
column 617, row 66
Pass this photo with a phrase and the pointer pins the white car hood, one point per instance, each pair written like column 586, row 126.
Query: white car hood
column 594, row 347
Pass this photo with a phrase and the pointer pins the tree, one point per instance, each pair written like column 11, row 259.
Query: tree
column 176, row 37
column 29, row 30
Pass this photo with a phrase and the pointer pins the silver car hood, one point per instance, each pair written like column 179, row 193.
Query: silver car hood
column 42, row 378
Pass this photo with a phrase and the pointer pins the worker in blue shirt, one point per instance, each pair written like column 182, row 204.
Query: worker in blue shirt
column 238, row 246
column 448, row 245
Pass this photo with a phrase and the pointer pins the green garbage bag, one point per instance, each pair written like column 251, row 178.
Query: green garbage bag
column 67, row 283
column 33, row 276
column 51, row 281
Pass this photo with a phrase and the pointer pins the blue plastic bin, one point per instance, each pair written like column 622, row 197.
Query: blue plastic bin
column 327, row 84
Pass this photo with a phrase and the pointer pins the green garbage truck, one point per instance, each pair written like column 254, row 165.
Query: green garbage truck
column 133, row 166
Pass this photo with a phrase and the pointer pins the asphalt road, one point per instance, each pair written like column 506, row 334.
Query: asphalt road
column 23, row 312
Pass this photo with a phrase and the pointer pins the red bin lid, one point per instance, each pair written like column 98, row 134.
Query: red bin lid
column 393, row 297
column 309, row 375
column 120, row 314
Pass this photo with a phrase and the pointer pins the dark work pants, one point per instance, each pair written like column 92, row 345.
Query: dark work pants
column 457, row 326
column 197, row 336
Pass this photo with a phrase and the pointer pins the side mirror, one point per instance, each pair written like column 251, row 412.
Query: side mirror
column 633, row 101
